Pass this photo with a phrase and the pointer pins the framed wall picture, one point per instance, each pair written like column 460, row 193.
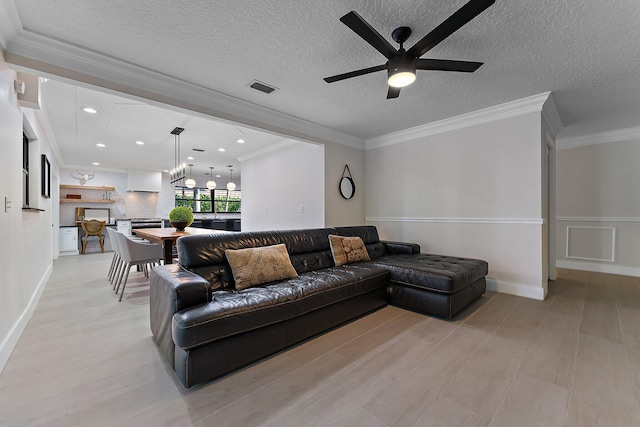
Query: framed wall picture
column 45, row 170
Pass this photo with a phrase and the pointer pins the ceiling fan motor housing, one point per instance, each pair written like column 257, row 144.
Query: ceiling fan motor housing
column 401, row 64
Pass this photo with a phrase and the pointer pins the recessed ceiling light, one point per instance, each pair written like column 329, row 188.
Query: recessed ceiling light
column 165, row 170
column 240, row 141
column 189, row 158
column 101, row 145
column 221, row 150
column 217, row 176
column 96, row 164
column 89, row 110
column 140, row 142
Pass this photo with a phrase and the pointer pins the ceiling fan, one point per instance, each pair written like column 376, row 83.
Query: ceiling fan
column 402, row 64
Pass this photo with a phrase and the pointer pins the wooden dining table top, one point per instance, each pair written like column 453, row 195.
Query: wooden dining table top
column 159, row 235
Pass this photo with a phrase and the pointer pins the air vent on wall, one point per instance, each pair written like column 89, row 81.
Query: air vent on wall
column 262, row 87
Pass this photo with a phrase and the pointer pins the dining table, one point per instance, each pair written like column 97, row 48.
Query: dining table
column 167, row 237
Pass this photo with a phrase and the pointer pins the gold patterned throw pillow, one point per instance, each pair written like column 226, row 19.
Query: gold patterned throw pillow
column 255, row 266
column 347, row 250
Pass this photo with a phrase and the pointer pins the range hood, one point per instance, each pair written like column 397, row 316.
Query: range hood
column 146, row 181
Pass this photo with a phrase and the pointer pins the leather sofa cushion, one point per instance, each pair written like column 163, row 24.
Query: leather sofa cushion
column 234, row 312
column 437, row 273
column 208, row 249
column 204, row 255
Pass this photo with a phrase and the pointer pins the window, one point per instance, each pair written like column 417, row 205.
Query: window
column 199, row 199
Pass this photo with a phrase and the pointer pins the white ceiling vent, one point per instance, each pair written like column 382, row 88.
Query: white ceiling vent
column 262, row 87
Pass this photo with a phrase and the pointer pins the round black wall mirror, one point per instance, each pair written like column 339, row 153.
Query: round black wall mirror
column 347, row 186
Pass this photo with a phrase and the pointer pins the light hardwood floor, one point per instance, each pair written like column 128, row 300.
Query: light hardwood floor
column 573, row 359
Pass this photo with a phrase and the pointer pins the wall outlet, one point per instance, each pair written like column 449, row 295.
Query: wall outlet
column 301, row 208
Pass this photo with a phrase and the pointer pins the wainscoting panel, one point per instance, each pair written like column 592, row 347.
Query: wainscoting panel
column 591, row 243
column 604, row 244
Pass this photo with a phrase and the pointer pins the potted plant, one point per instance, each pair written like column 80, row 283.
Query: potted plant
column 180, row 217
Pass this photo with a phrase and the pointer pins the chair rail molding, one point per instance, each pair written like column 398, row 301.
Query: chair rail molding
column 597, row 219
column 529, row 221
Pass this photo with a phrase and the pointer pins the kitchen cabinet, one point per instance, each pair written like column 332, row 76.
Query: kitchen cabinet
column 69, row 241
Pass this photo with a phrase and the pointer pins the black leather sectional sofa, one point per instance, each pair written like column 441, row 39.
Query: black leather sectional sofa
column 205, row 328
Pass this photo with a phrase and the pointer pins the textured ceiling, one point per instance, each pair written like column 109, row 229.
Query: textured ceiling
column 585, row 52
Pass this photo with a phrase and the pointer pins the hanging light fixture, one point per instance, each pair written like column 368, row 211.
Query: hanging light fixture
column 179, row 171
column 190, row 183
column 211, row 184
column 231, row 185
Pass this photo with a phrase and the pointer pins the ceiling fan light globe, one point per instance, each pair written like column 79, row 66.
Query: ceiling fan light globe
column 190, row 183
column 211, row 185
column 401, row 79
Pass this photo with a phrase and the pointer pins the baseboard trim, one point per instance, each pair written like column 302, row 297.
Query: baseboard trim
column 9, row 343
column 621, row 270
column 516, row 289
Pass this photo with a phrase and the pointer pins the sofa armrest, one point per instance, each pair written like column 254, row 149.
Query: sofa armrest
column 400, row 247
column 172, row 289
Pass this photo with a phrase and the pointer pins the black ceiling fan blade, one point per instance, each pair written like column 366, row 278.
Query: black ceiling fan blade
column 355, row 73
column 447, row 65
column 465, row 14
column 393, row 92
column 368, row 33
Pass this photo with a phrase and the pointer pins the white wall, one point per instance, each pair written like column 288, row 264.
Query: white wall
column 26, row 251
column 284, row 189
column 338, row 210
column 472, row 191
column 599, row 201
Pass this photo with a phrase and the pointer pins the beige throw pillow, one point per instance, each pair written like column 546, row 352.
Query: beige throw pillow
column 255, row 266
column 347, row 250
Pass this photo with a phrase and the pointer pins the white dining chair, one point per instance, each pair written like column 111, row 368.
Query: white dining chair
column 134, row 253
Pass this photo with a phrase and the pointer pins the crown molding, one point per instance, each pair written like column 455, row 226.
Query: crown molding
column 620, row 135
column 10, row 23
column 551, row 115
column 31, row 51
column 519, row 107
column 266, row 150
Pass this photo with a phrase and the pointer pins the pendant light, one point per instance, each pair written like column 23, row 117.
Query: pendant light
column 211, row 184
column 179, row 171
column 190, row 183
column 230, row 185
